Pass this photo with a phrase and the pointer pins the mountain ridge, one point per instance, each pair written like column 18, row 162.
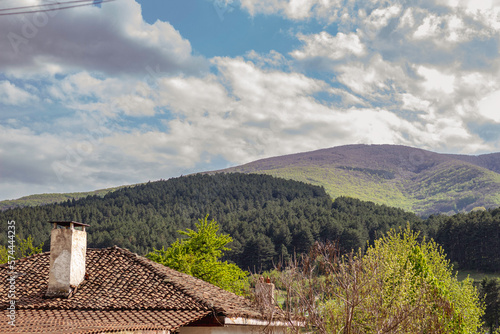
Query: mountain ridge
column 413, row 179
column 409, row 178
column 50, row 198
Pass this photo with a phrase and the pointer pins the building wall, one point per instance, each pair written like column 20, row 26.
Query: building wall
column 138, row 332
column 230, row 329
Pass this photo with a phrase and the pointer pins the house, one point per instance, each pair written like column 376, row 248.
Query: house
column 72, row 289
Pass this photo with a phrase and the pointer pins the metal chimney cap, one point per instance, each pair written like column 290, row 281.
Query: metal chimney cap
column 67, row 223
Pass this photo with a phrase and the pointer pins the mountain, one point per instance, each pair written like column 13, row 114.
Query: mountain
column 44, row 199
column 413, row 179
column 267, row 217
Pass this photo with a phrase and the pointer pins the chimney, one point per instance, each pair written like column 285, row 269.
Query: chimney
column 68, row 250
column 264, row 292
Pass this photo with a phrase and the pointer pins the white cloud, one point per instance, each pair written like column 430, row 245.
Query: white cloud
column 429, row 27
column 82, row 91
column 26, row 156
column 249, row 83
column 436, row 81
column 453, row 134
column 411, row 102
column 250, row 113
column 407, row 20
column 271, row 59
column 471, row 5
column 489, row 107
column 294, row 9
column 374, row 79
column 12, row 95
column 446, row 31
column 324, row 45
column 380, row 17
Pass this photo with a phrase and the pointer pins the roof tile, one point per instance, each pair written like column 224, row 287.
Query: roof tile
column 121, row 291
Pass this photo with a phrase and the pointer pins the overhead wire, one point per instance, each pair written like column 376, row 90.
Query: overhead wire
column 49, row 7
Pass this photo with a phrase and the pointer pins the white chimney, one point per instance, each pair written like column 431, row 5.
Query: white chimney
column 68, row 250
column 264, row 292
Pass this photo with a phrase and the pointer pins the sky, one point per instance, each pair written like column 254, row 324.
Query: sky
column 128, row 91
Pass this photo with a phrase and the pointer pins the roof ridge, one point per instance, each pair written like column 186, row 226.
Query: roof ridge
column 123, row 308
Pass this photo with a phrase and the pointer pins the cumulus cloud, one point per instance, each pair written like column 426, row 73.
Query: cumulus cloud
column 326, row 46
column 248, row 113
column 273, row 59
column 488, row 107
column 295, row 9
column 377, row 79
column 435, row 81
column 110, row 95
column 12, row 95
column 113, row 39
column 118, row 91
column 428, row 61
column 242, row 114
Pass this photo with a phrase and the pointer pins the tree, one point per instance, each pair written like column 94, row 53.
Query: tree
column 490, row 293
column 199, row 255
column 400, row 285
column 258, row 253
column 23, row 248
column 415, row 289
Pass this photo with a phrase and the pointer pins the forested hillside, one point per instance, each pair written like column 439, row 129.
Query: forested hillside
column 472, row 240
column 267, row 217
column 412, row 179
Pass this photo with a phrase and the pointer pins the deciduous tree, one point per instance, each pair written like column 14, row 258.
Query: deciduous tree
column 200, row 254
column 20, row 249
column 400, row 285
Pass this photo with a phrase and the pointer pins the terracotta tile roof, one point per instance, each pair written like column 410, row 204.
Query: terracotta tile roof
column 122, row 291
column 37, row 321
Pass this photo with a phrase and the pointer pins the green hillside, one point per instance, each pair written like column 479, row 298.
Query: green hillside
column 43, row 199
column 412, row 179
column 338, row 181
column 269, row 219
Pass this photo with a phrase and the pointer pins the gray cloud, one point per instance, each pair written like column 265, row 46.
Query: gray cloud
column 113, row 39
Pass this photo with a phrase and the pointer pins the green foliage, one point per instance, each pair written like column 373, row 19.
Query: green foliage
column 490, row 292
column 22, row 248
column 268, row 218
column 472, row 240
column 400, row 285
column 412, row 273
column 199, row 255
column 279, row 217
